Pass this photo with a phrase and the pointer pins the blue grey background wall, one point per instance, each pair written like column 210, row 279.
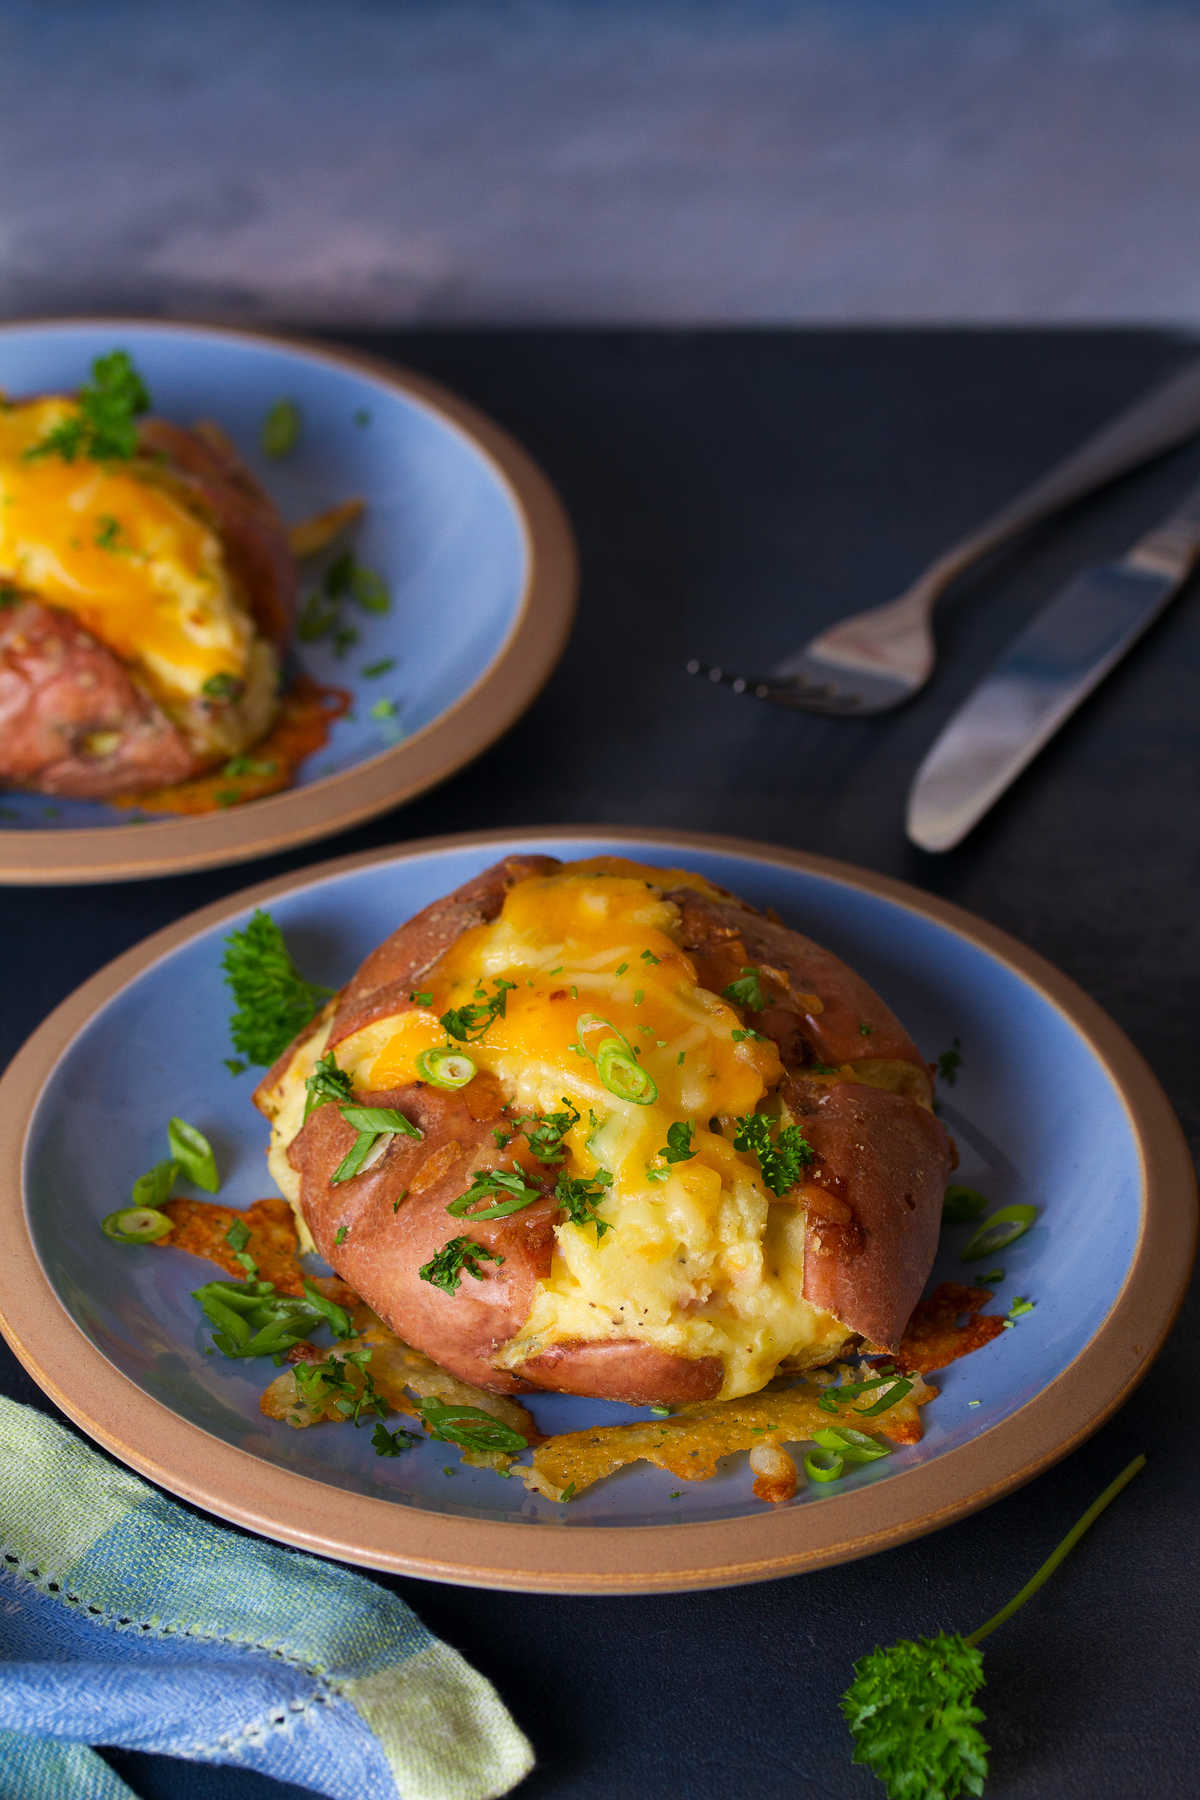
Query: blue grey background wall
column 676, row 160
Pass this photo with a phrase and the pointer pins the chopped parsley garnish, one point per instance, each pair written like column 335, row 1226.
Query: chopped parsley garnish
column 470, row 1427
column 222, row 686
column 272, row 1000
column 1019, row 1306
column 864, row 1030
column 949, row 1063
column 544, row 1132
column 461, row 1255
column 391, row 1443
column 280, row 430
column 648, row 956
column 327, row 1082
column 424, row 998
column 580, row 1196
column 962, row 1203
column 748, row 1035
column 319, row 1383
column 343, row 1232
column 471, row 1021
column 678, row 1147
column 108, row 532
column 103, row 430
column 620, row 968
column 383, row 709
column 747, row 990
column 504, row 1188
column 384, row 666
column 783, row 1158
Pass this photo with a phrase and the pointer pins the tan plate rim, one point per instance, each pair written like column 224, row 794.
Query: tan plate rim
column 507, row 687
column 247, row 1491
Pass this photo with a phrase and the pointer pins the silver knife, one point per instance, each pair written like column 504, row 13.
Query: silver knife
column 1042, row 677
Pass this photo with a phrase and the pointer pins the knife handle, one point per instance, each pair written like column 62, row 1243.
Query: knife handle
column 1164, row 418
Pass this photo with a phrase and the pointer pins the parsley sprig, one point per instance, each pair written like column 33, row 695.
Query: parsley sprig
column 747, row 990
column 782, row 1158
column 461, row 1254
column 911, row 1707
column 472, row 1020
column 272, row 999
column 544, row 1132
column 103, row 430
column 580, row 1196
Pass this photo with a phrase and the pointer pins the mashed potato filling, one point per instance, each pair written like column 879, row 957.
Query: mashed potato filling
column 700, row 1258
column 110, row 544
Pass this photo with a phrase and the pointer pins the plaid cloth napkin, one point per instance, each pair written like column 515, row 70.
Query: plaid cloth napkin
column 126, row 1621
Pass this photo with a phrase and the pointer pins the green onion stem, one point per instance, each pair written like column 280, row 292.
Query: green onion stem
column 1064, row 1550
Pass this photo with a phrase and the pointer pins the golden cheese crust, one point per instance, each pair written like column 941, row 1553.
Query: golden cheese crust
column 683, row 1278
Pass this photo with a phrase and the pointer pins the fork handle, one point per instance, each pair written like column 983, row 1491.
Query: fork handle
column 1166, row 417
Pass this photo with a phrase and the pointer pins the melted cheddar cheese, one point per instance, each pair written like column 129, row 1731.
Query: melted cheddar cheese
column 701, row 1258
column 110, row 543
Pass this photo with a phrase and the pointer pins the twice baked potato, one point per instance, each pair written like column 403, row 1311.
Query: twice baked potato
column 145, row 599
column 604, row 1129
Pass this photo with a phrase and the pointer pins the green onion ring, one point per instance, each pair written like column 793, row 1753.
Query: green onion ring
column 1001, row 1230
column 445, row 1068
column 136, row 1225
column 823, row 1465
column 625, row 1077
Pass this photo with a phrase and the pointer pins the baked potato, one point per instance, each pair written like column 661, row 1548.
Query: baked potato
column 146, row 595
column 605, row 1129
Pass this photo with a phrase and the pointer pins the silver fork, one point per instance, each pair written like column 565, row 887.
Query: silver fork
column 875, row 660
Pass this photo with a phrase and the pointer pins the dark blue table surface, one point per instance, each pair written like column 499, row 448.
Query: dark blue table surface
column 731, row 491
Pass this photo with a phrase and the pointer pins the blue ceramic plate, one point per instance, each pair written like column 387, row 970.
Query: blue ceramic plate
column 466, row 533
column 1051, row 1106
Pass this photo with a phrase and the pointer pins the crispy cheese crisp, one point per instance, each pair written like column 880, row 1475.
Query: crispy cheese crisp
column 945, row 1325
column 691, row 1443
column 199, row 1227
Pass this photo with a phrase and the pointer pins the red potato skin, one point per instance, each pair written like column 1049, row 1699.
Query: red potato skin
column 883, row 1161
column 724, row 936
column 883, row 1158
column 384, row 1245
column 874, row 1193
column 58, row 685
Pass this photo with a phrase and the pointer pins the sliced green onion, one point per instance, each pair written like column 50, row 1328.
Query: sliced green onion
column 1002, row 1229
column 851, row 1446
column 823, row 1465
column 337, row 1316
column 355, row 1157
column 380, row 1118
column 445, row 1068
column 136, row 1225
column 487, row 1183
column 280, row 432
column 194, row 1154
column 961, row 1204
column 152, row 1188
column 624, row 1077
column 891, row 1396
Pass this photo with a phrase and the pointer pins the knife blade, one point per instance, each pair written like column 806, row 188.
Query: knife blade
column 1043, row 676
